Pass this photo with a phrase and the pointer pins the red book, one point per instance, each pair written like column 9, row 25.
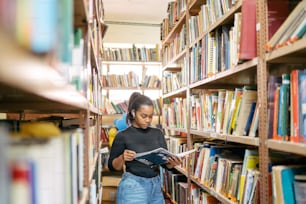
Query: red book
column 295, row 134
column 276, row 112
column 278, row 11
column 247, row 49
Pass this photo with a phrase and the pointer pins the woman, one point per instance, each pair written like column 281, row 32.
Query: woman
column 140, row 183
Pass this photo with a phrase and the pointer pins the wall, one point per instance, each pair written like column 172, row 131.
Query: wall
column 140, row 34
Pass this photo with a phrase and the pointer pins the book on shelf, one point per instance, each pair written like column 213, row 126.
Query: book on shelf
column 284, row 103
column 248, row 124
column 289, row 24
column 159, row 156
column 183, row 192
column 278, row 11
column 253, row 131
column 300, row 188
column 250, row 186
column 295, row 107
column 248, row 49
column 283, row 182
column 302, row 105
column 250, row 161
column 273, row 83
column 249, row 96
column 275, row 114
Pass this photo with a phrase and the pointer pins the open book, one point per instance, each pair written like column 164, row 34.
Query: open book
column 159, row 156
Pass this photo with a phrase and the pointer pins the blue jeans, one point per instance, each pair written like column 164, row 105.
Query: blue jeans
column 139, row 190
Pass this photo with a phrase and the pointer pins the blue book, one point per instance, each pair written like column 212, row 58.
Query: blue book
column 284, row 98
column 250, row 118
column 287, row 175
column 159, row 156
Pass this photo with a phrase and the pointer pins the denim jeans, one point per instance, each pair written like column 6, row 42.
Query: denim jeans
column 139, row 190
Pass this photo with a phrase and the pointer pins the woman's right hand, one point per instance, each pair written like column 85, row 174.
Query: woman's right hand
column 128, row 155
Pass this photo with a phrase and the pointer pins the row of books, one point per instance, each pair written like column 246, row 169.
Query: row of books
column 141, row 54
column 286, row 101
column 151, row 81
column 172, row 82
column 174, row 113
column 175, row 10
column 229, row 170
column 131, row 79
column 110, row 107
column 43, row 166
column 177, row 78
column 292, row 29
column 223, row 111
column 177, row 144
column 212, row 11
column 207, row 16
column 289, row 184
column 177, row 46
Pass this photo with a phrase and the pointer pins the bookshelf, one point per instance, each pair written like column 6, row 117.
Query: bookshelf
column 186, row 57
column 127, row 68
column 38, row 86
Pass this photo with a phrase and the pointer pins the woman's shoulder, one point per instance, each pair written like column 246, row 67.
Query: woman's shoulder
column 154, row 129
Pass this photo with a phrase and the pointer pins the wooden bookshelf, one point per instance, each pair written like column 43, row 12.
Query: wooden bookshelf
column 250, row 72
column 32, row 86
column 140, row 68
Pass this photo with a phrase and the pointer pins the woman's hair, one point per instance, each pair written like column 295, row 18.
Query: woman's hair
column 136, row 100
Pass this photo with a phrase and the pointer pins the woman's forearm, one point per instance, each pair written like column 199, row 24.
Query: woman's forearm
column 118, row 163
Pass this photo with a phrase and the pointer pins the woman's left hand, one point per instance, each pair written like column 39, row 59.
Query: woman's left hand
column 173, row 161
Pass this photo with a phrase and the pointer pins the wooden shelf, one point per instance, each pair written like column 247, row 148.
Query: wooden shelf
column 294, row 53
column 284, row 146
column 218, row 196
column 253, row 141
column 181, row 170
column 247, row 69
column 37, row 85
column 225, row 19
column 148, row 63
column 129, row 88
column 176, row 129
column 175, row 59
column 194, row 6
column 178, row 25
column 178, row 93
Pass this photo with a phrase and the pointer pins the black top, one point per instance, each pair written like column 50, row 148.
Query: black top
column 138, row 140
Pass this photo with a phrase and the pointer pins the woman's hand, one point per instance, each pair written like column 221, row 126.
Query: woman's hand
column 173, row 161
column 128, row 155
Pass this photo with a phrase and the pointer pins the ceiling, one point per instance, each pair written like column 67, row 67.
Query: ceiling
column 135, row 11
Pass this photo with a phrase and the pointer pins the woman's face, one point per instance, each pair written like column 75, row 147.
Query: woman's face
column 143, row 116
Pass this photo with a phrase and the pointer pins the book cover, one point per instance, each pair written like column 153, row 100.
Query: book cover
column 183, row 192
column 283, row 182
column 275, row 114
column 273, row 83
column 288, row 182
column 159, row 156
column 250, row 161
column 248, row 30
column 284, row 103
column 249, row 120
column 249, row 96
column 253, row 132
column 302, row 102
column 278, row 21
column 295, row 130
